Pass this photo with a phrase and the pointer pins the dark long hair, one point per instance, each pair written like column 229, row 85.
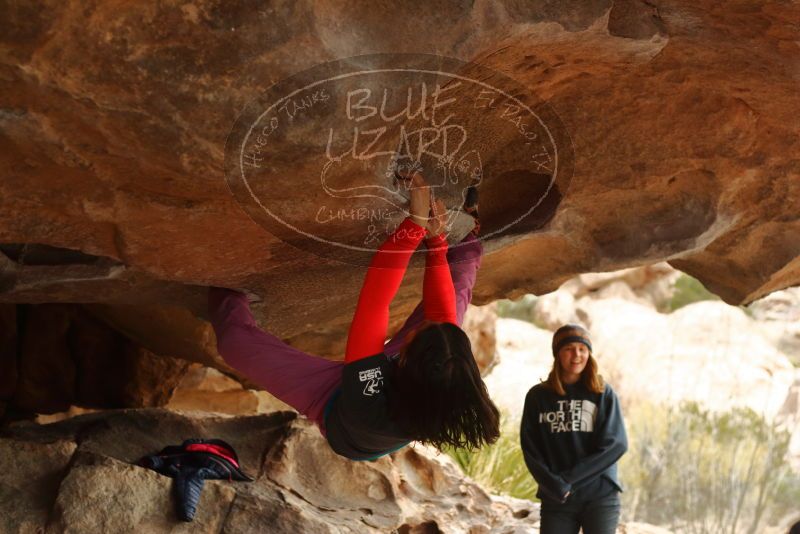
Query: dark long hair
column 438, row 395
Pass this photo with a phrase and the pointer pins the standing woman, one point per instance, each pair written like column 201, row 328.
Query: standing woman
column 423, row 385
column 572, row 435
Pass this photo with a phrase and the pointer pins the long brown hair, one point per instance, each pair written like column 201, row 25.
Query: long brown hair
column 589, row 376
column 438, row 395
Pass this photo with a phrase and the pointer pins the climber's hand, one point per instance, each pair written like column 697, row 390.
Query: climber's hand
column 420, row 199
column 437, row 223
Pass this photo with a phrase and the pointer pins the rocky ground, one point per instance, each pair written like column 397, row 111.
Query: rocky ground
column 78, row 476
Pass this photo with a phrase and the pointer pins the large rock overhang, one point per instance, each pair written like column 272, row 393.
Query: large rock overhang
column 682, row 117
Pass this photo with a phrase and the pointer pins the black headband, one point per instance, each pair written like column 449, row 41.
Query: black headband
column 571, row 339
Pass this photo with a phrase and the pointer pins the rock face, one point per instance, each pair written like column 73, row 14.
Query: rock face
column 32, row 473
column 672, row 357
column 76, row 476
column 779, row 318
column 206, row 389
column 479, row 324
column 525, row 360
column 53, row 356
column 681, row 117
column 89, row 500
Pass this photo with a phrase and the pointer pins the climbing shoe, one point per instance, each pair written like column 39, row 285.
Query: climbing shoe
column 471, row 207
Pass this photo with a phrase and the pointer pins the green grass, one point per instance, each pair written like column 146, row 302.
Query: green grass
column 687, row 291
column 521, row 309
column 499, row 467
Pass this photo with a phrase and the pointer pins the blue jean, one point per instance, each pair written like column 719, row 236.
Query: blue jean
column 597, row 516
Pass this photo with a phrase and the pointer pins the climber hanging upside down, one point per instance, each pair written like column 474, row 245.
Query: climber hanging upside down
column 423, row 385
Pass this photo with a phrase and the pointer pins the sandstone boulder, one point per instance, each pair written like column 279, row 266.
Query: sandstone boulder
column 653, row 284
column 479, row 324
column 707, row 352
column 525, row 360
column 206, row 389
column 778, row 316
column 113, row 138
column 87, row 482
column 555, row 309
column 101, row 494
column 53, row 356
column 30, row 475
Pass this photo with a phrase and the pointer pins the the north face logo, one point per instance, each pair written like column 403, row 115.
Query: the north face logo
column 373, row 379
column 571, row 416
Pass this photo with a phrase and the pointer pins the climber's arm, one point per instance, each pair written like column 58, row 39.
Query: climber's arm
column 384, row 275
column 438, row 293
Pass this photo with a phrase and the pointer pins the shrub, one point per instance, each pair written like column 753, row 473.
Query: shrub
column 688, row 290
column 705, row 472
column 687, row 468
column 499, row 467
column 521, row 309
